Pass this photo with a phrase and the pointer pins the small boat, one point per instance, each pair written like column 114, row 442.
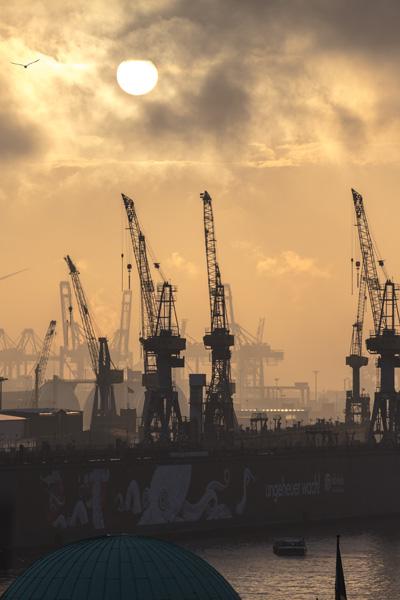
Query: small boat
column 290, row 547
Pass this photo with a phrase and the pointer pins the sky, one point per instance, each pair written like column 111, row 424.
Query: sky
column 277, row 108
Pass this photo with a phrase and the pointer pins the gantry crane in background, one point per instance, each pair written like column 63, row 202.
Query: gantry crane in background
column 385, row 340
column 219, row 414
column 18, row 359
column 119, row 344
column 104, row 412
column 196, row 355
column 40, row 369
column 357, row 408
column 161, row 342
column 73, row 352
column 250, row 354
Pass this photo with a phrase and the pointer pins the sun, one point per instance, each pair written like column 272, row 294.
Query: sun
column 137, row 77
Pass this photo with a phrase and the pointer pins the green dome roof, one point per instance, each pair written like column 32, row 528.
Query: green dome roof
column 120, row 568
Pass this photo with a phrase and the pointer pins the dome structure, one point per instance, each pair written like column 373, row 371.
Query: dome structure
column 121, row 567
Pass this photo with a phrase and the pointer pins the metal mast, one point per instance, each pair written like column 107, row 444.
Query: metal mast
column 385, row 341
column 40, row 369
column 104, row 408
column 357, row 405
column 161, row 342
column 219, row 414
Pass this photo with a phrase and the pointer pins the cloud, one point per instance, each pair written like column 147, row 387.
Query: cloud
column 178, row 263
column 287, row 262
column 311, row 82
column 20, row 137
column 290, row 263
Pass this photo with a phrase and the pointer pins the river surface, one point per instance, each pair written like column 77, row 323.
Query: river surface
column 370, row 554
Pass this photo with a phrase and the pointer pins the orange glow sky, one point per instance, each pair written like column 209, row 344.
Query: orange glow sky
column 276, row 108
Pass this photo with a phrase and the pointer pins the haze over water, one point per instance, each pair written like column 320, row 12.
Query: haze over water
column 370, row 553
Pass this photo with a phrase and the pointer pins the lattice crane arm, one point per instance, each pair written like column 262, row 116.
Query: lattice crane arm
column 88, row 327
column 216, row 292
column 369, row 261
column 40, row 369
column 357, row 334
column 149, row 302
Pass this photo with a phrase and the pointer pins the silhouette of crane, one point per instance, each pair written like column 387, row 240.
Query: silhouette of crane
column 40, row 369
column 104, row 412
column 385, row 339
column 219, row 414
column 160, row 339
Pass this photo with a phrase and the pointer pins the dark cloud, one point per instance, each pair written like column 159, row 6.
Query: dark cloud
column 18, row 138
column 363, row 26
column 220, row 108
column 352, row 128
column 232, row 73
column 225, row 50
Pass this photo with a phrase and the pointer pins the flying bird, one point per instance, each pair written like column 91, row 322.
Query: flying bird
column 27, row 64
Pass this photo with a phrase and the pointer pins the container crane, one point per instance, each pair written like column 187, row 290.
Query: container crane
column 219, row 413
column 40, row 369
column 385, row 339
column 250, row 355
column 357, row 404
column 161, row 342
column 104, row 413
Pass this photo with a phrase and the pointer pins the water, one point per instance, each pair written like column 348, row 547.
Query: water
column 370, row 553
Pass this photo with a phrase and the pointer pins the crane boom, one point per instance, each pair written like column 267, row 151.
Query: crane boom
column 149, row 315
column 216, row 291
column 368, row 257
column 91, row 338
column 40, row 369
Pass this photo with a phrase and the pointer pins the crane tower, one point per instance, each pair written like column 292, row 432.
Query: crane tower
column 357, row 404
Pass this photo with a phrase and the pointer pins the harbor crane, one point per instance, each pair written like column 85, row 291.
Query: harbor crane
column 104, row 412
column 40, row 369
column 219, row 413
column 161, row 342
column 250, row 354
column 357, row 404
column 385, row 339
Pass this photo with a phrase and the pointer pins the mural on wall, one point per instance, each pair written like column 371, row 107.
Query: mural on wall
column 164, row 500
